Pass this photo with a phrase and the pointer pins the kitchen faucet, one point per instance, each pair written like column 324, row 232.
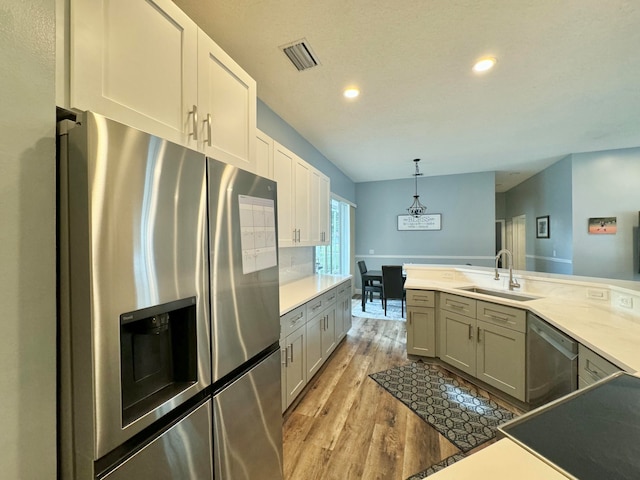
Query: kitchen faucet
column 513, row 283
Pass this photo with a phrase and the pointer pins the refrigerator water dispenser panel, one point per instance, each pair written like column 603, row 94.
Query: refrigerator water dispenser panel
column 158, row 352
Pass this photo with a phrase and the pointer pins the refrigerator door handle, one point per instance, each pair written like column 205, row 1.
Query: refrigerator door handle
column 286, row 356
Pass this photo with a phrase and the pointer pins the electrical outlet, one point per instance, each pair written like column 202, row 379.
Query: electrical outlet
column 626, row 302
column 597, row 294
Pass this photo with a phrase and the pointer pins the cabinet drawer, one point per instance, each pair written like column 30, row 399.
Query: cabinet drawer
column 344, row 288
column 457, row 304
column 504, row 316
column 321, row 302
column 592, row 367
column 292, row 320
column 421, row 298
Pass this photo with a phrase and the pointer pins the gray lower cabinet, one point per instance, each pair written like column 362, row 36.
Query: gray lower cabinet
column 421, row 323
column 343, row 310
column 293, row 338
column 309, row 335
column 457, row 341
column 294, row 377
column 592, row 367
column 485, row 340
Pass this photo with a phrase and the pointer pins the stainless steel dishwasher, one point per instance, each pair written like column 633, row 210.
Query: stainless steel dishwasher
column 552, row 362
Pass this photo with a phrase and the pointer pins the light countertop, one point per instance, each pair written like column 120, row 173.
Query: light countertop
column 299, row 292
column 591, row 312
column 607, row 329
column 504, row 460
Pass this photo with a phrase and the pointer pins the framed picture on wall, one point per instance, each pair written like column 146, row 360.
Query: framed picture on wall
column 603, row 225
column 542, row 227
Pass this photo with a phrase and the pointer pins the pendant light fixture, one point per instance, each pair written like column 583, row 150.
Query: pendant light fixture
column 416, row 209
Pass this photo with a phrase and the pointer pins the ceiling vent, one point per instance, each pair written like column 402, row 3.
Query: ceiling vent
column 300, row 54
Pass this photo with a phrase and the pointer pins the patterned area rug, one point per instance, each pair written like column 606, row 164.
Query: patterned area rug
column 376, row 310
column 466, row 418
column 438, row 466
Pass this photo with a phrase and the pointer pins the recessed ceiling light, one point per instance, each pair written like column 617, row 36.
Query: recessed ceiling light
column 484, row 64
column 351, row 92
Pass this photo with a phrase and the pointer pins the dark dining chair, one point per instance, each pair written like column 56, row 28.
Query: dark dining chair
column 393, row 285
column 368, row 287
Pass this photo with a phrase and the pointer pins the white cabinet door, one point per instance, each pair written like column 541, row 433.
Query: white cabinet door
column 283, row 162
column 314, row 203
column 226, row 107
column 319, row 203
column 324, row 211
column 264, row 155
column 135, row 61
column 302, row 205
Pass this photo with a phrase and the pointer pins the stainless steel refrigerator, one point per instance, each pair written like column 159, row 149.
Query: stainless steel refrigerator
column 135, row 358
column 169, row 363
column 245, row 319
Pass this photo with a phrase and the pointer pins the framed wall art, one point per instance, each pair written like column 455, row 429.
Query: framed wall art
column 543, row 227
column 431, row 221
column 603, row 225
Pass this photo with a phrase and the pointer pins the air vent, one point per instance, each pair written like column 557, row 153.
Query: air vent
column 300, row 54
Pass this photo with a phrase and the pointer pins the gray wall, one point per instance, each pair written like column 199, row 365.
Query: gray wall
column 27, row 241
column 606, row 184
column 274, row 126
column 467, row 205
column 547, row 193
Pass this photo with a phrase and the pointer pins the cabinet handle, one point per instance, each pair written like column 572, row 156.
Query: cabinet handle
column 470, row 331
column 286, row 349
column 497, row 317
column 478, row 335
column 298, row 240
column 291, row 358
column 593, row 373
column 453, row 305
column 294, row 236
column 194, row 122
column 208, row 122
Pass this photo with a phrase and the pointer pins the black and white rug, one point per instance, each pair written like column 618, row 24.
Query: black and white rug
column 466, row 418
column 376, row 310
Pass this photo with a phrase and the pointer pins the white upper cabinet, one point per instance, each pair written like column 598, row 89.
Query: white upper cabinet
column 302, row 202
column 227, row 105
column 283, row 170
column 136, row 62
column 320, row 198
column 264, row 155
column 147, row 64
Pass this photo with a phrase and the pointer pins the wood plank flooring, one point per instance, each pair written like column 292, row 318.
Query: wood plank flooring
column 347, row 427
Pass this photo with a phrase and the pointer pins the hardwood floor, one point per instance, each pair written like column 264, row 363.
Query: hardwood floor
column 348, row 427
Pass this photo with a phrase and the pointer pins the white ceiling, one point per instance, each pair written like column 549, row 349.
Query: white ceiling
column 567, row 79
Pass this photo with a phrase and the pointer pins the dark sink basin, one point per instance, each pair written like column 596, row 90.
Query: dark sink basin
column 498, row 293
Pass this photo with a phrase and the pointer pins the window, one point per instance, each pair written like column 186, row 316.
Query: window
column 334, row 258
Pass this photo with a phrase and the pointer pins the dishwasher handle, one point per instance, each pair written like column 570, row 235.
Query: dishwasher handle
column 567, row 353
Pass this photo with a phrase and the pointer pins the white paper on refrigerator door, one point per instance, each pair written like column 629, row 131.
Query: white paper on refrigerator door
column 258, row 227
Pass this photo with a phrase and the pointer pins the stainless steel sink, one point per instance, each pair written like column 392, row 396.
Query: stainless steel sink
column 498, row 293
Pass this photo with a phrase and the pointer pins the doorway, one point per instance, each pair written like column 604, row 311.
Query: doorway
column 518, row 245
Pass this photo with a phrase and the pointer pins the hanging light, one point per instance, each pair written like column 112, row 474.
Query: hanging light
column 416, row 209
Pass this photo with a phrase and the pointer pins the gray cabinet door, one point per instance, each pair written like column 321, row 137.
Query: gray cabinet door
column 457, row 341
column 421, row 331
column 501, row 358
